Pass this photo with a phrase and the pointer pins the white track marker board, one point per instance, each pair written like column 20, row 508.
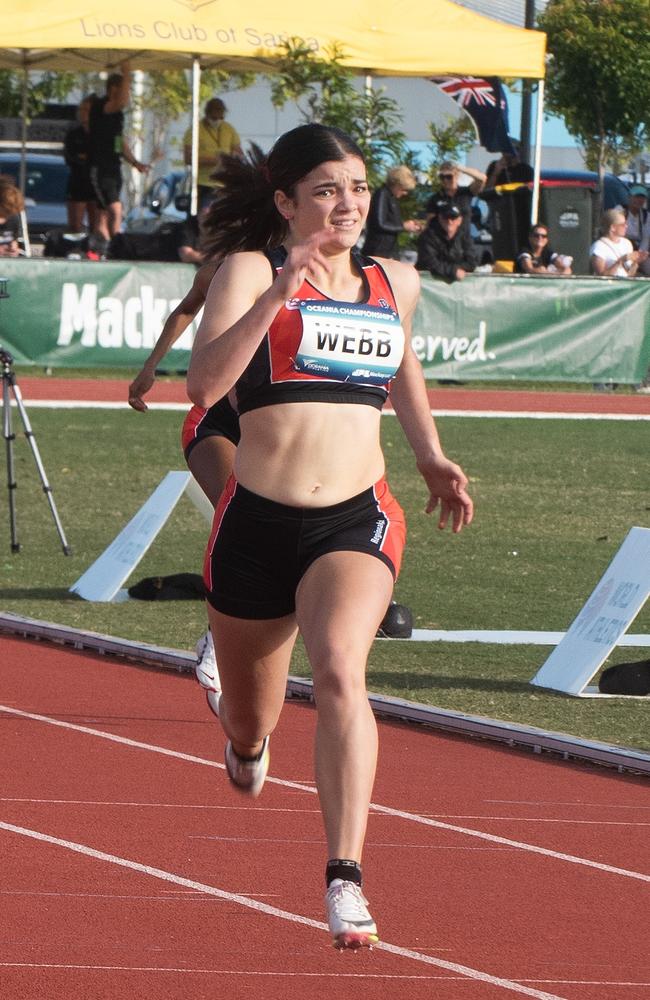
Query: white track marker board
column 610, row 610
column 102, row 580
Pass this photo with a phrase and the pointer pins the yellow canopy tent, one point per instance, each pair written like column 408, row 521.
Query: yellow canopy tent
column 382, row 37
column 378, row 37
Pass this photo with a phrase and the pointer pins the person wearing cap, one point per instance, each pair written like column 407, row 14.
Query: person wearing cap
column 216, row 138
column 450, row 190
column 637, row 227
column 385, row 221
column 445, row 248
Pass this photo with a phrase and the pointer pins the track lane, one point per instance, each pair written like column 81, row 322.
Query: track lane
column 472, row 900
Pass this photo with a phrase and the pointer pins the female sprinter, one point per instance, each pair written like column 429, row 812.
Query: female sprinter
column 309, row 337
column 209, row 436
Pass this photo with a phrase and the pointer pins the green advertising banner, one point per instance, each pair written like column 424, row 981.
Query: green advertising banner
column 530, row 327
column 88, row 314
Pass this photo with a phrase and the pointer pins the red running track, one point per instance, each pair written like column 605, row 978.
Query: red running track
column 448, row 398
column 132, row 869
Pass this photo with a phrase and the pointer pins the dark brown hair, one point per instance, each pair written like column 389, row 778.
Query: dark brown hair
column 243, row 215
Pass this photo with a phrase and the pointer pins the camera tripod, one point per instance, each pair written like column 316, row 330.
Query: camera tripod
column 10, row 388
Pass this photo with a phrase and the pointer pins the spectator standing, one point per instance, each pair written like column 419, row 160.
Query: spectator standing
column 216, row 137
column 510, row 221
column 12, row 204
column 80, row 194
column 612, row 255
column 537, row 257
column 445, row 248
column 385, row 218
column 107, row 148
column 638, row 224
column 451, row 191
column 508, row 169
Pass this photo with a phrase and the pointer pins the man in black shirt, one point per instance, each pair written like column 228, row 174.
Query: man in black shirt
column 445, row 248
column 107, row 147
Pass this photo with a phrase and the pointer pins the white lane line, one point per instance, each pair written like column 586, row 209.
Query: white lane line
column 84, row 404
column 374, row 807
column 539, row 415
column 575, row 805
column 272, row 911
column 155, row 805
column 298, row 975
column 116, row 803
column 509, row 637
column 224, row 972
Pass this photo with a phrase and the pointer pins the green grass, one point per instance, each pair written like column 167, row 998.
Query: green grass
column 561, row 494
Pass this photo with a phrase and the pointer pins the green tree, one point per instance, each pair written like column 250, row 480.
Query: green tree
column 168, row 96
column 599, row 75
column 40, row 90
column 448, row 141
column 323, row 90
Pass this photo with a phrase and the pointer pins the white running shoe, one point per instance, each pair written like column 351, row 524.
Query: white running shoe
column 349, row 921
column 248, row 775
column 206, row 664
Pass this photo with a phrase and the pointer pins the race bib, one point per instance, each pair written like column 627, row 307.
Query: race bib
column 349, row 341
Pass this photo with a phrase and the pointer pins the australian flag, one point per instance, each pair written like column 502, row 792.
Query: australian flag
column 485, row 102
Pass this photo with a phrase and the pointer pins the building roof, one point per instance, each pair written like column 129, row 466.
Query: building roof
column 510, row 11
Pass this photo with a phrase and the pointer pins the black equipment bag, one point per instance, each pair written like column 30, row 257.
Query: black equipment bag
column 160, row 245
column 176, row 587
column 397, row 623
column 626, row 678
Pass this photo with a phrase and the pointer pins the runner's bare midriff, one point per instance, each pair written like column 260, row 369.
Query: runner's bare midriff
column 309, row 454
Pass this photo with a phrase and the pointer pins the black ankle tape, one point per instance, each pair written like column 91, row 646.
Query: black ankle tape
column 249, row 760
column 349, row 871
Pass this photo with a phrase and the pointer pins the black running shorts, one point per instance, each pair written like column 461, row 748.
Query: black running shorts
column 259, row 550
column 219, row 420
column 106, row 185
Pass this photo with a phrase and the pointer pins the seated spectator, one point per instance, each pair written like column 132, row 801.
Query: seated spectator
column 445, row 248
column 385, row 218
column 12, row 204
column 612, row 255
column 450, row 190
column 538, row 257
column 638, row 224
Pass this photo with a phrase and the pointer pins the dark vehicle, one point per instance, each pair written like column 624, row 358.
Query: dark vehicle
column 46, row 180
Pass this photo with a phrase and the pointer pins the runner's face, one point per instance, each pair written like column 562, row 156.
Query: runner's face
column 335, row 197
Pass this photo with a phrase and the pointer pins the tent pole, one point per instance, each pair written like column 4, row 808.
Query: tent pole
column 137, row 120
column 539, row 119
column 22, row 181
column 194, row 166
column 368, row 87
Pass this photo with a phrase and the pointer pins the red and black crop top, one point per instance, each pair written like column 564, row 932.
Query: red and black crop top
column 321, row 350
